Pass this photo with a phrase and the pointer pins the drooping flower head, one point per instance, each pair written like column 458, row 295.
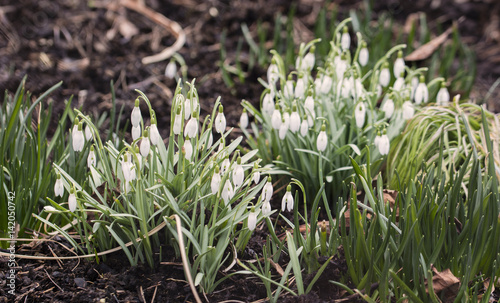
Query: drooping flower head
column 421, row 93
column 287, row 202
column 91, row 160
column 238, row 174
column 244, row 119
column 154, row 135
column 145, row 145
column 399, row 64
column 345, row 40
column 385, row 75
column 443, row 96
column 136, row 116
column 322, row 140
column 59, row 187
column 220, row 121
column 359, row 114
column 78, row 137
column 363, row 54
column 252, row 218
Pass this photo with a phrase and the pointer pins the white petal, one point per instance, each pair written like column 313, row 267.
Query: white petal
column 72, row 202
column 154, row 135
column 59, row 188
column 136, row 116
column 388, row 108
column 276, row 119
column 177, row 124
column 238, row 176
column 363, row 56
column 304, row 127
column 359, row 114
column 321, row 142
column 188, row 149
column 244, row 120
column 385, row 77
column 145, row 147
column 215, row 183
column 220, row 123
column 136, row 132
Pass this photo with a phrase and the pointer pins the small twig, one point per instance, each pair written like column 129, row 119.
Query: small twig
column 182, row 248
column 53, row 280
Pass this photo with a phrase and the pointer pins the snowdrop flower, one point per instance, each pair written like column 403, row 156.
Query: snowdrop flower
column 220, row 121
column 88, row 133
column 300, row 88
column 287, row 201
column 91, row 161
column 78, row 138
column 385, row 75
column 322, row 140
column 345, row 40
column 388, row 108
column 276, row 118
column 266, row 208
column 238, row 174
column 268, row 104
column 59, row 187
column 187, row 149
column 304, row 126
column 294, row 120
column 326, row 84
column 154, row 135
column 384, row 144
column 344, row 86
column 359, row 114
column 128, row 169
column 216, row 179
column 256, row 174
column 377, row 139
column 408, row 110
column 272, row 73
column 191, row 129
column 341, row 66
column 227, row 192
column 309, row 108
column 399, row 65
column 136, row 132
column 421, row 93
column 379, row 90
column 443, row 96
column 145, row 145
column 288, row 89
column 357, row 87
column 187, row 109
column 225, row 165
column 139, row 156
column 285, row 123
column 50, row 209
column 363, row 54
column 244, row 119
column 414, row 84
column 267, row 191
column 309, row 60
column 72, row 200
column 171, row 70
column 399, row 84
column 317, row 84
column 136, row 114
column 177, row 128
column 252, row 218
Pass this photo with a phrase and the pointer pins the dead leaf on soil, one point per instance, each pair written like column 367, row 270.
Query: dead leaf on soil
column 445, row 283
column 426, row 50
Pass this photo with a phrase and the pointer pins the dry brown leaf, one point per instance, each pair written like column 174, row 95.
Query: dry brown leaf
column 426, row 50
column 445, row 284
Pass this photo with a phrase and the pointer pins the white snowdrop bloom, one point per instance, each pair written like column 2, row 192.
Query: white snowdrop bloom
column 244, row 119
column 399, row 84
column 359, row 114
column 309, row 60
column 59, row 187
column 267, row 191
column 256, row 174
column 300, row 88
column 171, row 70
column 154, row 135
column 304, row 127
column 344, row 87
column 72, row 200
column 225, row 166
column 317, row 84
column 187, row 109
column 408, row 110
column 388, row 108
column 136, row 132
column 322, row 139
column 238, row 174
column 283, row 129
column 384, row 145
column 326, row 84
column 287, row 201
column 252, row 218
column 88, row 133
column 443, row 96
column 78, row 138
column 379, row 90
column 220, row 121
column 50, row 209
column 227, row 192
column 136, row 114
column 357, row 89
column 191, row 128
column 414, row 84
column 294, row 120
column 377, row 140
column 385, row 75
column 91, row 160
column 272, row 73
column 421, row 93
column 341, row 67
column 177, row 128
column 345, row 40
column 276, row 118
column 266, row 208
column 399, row 65
column 128, row 169
column 210, row 139
column 288, row 89
column 139, row 156
column 188, row 149
column 145, row 145
column 215, row 182
column 363, row 54
column 309, row 108
column 268, row 104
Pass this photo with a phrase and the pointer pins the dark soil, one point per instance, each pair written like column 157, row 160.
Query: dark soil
column 67, row 40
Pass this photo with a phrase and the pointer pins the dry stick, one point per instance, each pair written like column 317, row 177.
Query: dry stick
column 151, row 232
column 182, row 248
column 173, row 27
